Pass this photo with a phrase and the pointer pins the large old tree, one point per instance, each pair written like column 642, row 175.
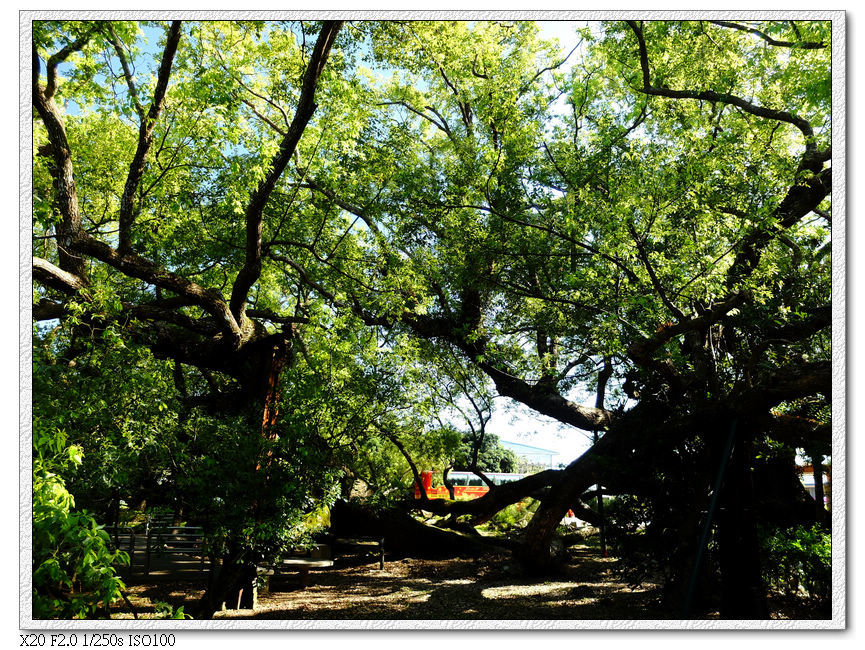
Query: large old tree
column 628, row 232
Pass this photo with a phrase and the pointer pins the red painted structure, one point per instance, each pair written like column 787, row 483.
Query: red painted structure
column 466, row 484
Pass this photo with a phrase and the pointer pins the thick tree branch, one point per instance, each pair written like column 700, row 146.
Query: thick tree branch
column 159, row 311
column 712, row 96
column 536, row 396
column 800, row 200
column 541, row 399
column 819, row 318
column 497, row 498
column 150, row 312
column 787, row 383
column 251, row 270
column 641, row 351
column 145, row 133
column 136, row 266
column 48, row 310
column 56, row 278
column 54, row 60
column 804, row 45
column 799, row 432
column 603, row 377
column 65, row 195
column 273, row 317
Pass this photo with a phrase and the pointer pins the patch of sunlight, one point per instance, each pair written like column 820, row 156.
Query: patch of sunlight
column 407, row 595
column 234, row 613
column 519, row 591
column 460, row 581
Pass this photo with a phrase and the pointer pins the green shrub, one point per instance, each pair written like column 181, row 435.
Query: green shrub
column 798, row 559
column 167, row 611
column 73, row 565
column 515, row 516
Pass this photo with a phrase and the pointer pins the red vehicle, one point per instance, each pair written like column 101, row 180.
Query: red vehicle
column 466, row 484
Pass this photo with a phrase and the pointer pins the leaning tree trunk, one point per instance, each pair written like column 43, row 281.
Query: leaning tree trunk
column 639, row 434
column 403, row 534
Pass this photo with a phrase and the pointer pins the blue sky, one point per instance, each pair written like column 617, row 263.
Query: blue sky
column 519, row 424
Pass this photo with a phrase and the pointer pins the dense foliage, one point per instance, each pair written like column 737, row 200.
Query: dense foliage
column 800, row 559
column 73, row 564
column 491, row 456
column 280, row 262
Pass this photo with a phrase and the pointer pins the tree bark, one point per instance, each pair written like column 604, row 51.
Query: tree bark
column 742, row 591
column 403, row 534
column 231, row 585
column 233, row 582
column 145, row 135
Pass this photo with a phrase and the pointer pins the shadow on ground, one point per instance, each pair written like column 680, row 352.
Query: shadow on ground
column 492, row 588
column 489, row 589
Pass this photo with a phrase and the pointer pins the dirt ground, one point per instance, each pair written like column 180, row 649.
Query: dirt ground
column 492, row 588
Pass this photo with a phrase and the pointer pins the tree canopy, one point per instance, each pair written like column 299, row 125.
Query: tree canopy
column 289, row 247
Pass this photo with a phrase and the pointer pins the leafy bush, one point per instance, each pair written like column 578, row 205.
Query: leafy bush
column 167, row 611
column 799, row 559
column 73, row 565
column 515, row 516
column 627, row 513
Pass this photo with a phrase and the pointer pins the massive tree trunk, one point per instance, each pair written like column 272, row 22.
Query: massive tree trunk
column 743, row 593
column 225, row 338
column 231, row 585
column 232, row 580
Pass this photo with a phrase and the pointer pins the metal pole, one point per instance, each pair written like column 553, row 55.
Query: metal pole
column 719, row 480
column 603, row 526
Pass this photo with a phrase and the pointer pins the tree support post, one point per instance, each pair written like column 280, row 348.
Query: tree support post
column 603, row 527
column 710, row 516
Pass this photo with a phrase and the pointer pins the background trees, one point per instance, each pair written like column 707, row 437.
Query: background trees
column 297, row 243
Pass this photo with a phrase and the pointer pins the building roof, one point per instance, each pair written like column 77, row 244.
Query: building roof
column 520, row 448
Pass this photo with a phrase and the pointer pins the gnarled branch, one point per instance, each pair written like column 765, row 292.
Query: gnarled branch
column 713, row 96
column 803, row 45
column 251, row 270
column 145, row 133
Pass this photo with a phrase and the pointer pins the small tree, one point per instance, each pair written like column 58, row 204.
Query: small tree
column 491, row 456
